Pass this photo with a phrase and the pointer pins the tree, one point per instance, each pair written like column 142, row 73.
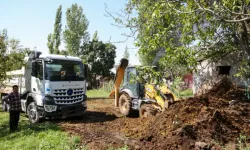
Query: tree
column 63, row 52
column 27, row 51
column 54, row 40
column 146, row 59
column 17, row 57
column 126, row 53
column 190, row 31
column 11, row 55
column 58, row 29
column 75, row 33
column 50, row 43
column 95, row 36
column 3, row 50
column 14, row 45
column 100, row 56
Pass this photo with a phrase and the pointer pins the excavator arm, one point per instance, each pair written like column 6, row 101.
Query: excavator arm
column 118, row 80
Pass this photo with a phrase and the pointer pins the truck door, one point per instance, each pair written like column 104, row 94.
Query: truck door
column 37, row 81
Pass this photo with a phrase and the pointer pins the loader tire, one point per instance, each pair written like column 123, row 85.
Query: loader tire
column 125, row 105
column 147, row 110
column 170, row 98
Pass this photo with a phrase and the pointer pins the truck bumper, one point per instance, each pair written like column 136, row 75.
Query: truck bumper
column 64, row 111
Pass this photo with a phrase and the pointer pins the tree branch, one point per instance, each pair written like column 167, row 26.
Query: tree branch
column 234, row 13
column 214, row 13
column 236, row 38
column 133, row 28
column 235, row 21
column 132, row 34
column 182, row 12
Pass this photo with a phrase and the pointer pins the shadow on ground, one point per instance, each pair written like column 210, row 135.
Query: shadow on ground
column 89, row 117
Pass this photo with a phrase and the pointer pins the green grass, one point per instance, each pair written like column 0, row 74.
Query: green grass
column 186, row 93
column 97, row 93
column 34, row 136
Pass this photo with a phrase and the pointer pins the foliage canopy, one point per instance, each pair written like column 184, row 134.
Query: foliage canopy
column 190, row 31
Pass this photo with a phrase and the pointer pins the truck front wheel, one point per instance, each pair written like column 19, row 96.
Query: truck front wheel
column 33, row 113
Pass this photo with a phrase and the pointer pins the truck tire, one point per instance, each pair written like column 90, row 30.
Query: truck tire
column 5, row 106
column 33, row 113
column 147, row 110
column 125, row 105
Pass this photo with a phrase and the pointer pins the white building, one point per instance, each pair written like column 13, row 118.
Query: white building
column 209, row 73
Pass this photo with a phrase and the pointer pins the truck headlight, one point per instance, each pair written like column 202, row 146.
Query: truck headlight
column 50, row 108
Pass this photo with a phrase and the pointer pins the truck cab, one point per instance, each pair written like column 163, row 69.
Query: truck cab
column 54, row 86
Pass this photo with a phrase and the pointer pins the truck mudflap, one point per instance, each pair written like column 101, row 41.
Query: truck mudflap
column 63, row 111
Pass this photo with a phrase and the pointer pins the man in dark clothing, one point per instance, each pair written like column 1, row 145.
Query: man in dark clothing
column 14, row 100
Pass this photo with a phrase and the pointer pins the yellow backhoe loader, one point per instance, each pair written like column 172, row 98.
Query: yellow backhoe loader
column 149, row 99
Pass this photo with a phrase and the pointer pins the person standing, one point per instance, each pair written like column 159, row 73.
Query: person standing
column 14, row 101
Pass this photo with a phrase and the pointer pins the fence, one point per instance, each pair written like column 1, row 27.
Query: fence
column 107, row 86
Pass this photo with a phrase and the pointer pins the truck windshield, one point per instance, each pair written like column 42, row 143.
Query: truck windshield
column 61, row 70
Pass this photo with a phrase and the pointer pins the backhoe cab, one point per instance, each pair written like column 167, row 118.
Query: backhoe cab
column 133, row 96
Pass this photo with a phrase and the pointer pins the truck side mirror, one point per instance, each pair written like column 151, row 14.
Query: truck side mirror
column 85, row 71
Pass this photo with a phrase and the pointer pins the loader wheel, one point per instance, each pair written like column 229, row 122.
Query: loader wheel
column 166, row 104
column 125, row 105
column 170, row 98
column 147, row 110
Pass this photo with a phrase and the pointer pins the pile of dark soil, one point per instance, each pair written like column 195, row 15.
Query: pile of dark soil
column 210, row 121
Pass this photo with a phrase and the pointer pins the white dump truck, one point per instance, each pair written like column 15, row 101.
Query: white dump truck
column 54, row 86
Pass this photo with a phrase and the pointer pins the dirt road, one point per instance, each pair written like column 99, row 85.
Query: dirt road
column 218, row 119
column 100, row 128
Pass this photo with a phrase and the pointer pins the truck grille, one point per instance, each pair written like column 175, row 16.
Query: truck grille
column 61, row 97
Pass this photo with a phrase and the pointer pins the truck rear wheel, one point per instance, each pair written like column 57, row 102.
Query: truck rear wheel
column 33, row 113
column 125, row 105
column 147, row 110
column 5, row 106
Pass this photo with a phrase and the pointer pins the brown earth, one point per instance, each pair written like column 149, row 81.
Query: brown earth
column 211, row 121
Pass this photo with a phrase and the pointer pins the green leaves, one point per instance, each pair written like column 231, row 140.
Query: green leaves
column 54, row 39
column 11, row 55
column 100, row 56
column 76, row 29
column 190, row 31
column 75, row 33
column 50, row 43
column 247, row 2
column 126, row 53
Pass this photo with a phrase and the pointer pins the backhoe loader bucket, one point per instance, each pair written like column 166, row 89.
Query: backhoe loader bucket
column 112, row 94
column 118, row 80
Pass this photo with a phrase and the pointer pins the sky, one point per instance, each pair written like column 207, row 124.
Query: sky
column 31, row 21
